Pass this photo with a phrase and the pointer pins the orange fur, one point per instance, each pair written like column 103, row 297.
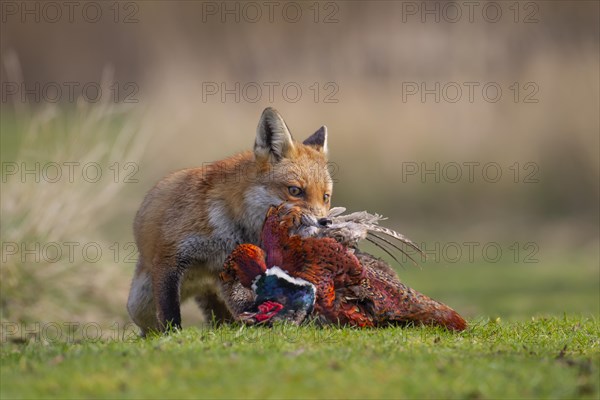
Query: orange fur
column 192, row 219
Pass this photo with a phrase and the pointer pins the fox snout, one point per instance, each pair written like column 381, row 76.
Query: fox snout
column 318, row 214
column 294, row 215
column 318, row 211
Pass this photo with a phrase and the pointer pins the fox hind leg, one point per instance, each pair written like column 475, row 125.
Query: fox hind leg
column 140, row 303
column 214, row 307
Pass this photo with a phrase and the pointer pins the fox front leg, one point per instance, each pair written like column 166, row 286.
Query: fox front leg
column 166, row 284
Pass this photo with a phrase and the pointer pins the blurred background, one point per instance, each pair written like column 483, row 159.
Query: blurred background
column 473, row 126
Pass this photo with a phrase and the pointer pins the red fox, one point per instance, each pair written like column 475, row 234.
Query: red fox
column 192, row 219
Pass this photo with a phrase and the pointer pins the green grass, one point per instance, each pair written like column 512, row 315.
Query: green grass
column 553, row 355
column 544, row 357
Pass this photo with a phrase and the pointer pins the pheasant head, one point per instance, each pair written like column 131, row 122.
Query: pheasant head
column 279, row 296
column 286, row 298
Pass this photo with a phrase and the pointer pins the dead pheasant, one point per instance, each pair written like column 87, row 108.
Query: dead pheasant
column 352, row 288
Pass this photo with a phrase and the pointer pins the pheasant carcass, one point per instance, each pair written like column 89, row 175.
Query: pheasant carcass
column 352, row 288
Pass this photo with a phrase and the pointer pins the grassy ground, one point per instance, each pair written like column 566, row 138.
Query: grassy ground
column 555, row 354
column 544, row 357
column 514, row 356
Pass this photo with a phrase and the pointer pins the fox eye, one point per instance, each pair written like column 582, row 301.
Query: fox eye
column 326, row 198
column 295, row 191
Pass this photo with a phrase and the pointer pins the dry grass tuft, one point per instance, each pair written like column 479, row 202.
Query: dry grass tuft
column 51, row 215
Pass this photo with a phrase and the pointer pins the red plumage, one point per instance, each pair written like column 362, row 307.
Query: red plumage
column 353, row 288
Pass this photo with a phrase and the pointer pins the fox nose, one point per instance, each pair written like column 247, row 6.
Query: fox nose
column 324, row 221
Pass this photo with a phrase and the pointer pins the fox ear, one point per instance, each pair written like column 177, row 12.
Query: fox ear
column 273, row 137
column 318, row 139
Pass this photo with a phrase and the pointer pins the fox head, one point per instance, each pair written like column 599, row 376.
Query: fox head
column 294, row 172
